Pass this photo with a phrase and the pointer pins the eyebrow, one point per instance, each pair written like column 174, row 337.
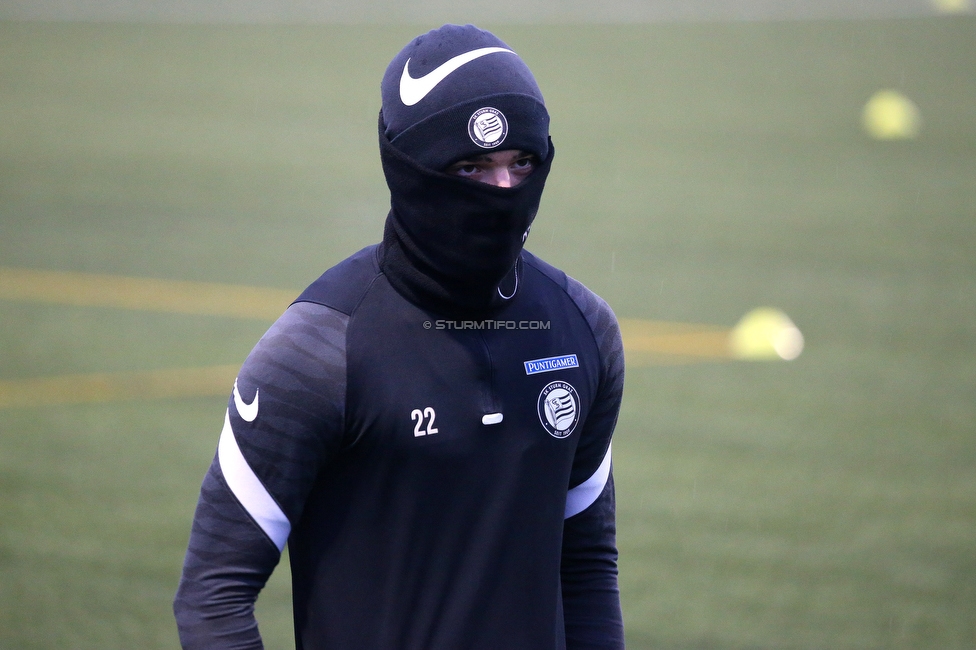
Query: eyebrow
column 482, row 158
column 487, row 157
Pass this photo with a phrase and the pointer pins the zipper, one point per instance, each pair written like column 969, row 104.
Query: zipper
column 492, row 413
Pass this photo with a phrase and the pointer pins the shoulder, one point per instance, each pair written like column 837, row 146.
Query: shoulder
column 308, row 341
column 594, row 309
column 343, row 286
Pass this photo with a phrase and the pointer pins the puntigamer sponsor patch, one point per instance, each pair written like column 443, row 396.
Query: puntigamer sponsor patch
column 550, row 364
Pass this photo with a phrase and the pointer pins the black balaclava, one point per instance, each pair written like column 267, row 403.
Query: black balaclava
column 452, row 244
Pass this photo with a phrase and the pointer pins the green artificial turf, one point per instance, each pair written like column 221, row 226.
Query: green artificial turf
column 702, row 170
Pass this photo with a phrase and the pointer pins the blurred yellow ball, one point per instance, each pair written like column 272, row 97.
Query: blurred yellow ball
column 951, row 6
column 765, row 333
column 889, row 115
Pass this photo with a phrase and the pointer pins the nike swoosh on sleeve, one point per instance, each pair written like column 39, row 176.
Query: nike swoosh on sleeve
column 413, row 90
column 248, row 412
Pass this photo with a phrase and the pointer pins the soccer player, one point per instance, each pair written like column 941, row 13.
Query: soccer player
column 428, row 425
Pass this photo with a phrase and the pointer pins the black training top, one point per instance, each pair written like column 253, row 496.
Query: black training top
column 442, row 485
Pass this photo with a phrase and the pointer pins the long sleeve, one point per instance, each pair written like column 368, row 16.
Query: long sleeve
column 228, row 561
column 283, row 422
column 591, row 598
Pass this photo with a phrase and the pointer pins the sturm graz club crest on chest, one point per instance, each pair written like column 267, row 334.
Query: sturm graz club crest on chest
column 559, row 409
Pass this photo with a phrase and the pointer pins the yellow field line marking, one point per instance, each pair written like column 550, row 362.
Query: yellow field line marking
column 641, row 337
column 645, row 342
column 184, row 297
column 105, row 387
column 659, row 342
column 642, row 349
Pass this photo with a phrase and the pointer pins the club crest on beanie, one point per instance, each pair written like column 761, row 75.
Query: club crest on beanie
column 458, row 92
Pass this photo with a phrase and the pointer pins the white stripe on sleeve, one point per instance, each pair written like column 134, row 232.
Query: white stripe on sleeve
column 248, row 489
column 583, row 495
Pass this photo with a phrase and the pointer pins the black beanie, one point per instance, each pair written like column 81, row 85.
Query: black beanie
column 460, row 92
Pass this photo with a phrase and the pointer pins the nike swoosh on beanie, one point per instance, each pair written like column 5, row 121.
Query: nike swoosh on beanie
column 412, row 90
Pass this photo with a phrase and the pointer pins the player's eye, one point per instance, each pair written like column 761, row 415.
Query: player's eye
column 524, row 164
column 464, row 168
